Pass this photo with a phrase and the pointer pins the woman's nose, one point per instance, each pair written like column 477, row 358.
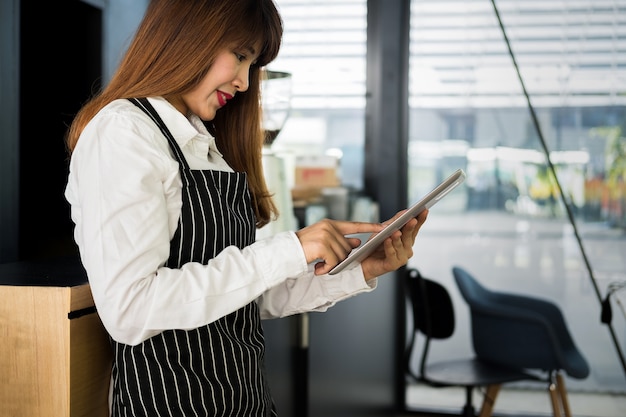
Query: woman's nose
column 241, row 83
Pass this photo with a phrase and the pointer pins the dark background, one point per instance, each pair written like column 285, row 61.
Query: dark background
column 60, row 65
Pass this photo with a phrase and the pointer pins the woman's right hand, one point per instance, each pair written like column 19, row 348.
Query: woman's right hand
column 326, row 241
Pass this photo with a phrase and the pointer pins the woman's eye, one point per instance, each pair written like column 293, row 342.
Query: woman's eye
column 240, row 57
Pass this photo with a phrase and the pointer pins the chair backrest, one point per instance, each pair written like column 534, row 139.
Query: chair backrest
column 518, row 330
column 433, row 312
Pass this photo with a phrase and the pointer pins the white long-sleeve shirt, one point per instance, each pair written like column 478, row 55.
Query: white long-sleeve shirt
column 122, row 171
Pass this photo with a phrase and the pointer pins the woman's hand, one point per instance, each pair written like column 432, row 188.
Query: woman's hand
column 326, row 241
column 395, row 250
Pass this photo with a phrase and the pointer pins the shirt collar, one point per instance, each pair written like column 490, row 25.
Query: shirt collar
column 185, row 130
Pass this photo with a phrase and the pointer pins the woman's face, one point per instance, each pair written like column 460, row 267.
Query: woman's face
column 228, row 75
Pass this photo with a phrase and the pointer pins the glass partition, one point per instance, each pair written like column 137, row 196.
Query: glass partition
column 513, row 225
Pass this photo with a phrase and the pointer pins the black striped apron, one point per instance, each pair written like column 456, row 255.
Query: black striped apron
column 217, row 369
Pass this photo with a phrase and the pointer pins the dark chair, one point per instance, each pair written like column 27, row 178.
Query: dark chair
column 433, row 317
column 523, row 332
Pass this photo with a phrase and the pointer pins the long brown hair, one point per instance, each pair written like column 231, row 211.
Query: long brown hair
column 172, row 50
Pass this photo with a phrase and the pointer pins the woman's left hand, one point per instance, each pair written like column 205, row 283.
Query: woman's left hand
column 395, row 250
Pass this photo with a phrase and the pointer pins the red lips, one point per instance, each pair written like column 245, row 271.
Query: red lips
column 223, row 97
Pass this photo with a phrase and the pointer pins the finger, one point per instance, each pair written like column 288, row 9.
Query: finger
column 409, row 232
column 392, row 251
column 323, row 240
column 325, row 265
column 401, row 245
column 335, row 255
column 335, row 252
column 349, row 228
column 404, row 247
column 354, row 242
column 421, row 218
column 413, row 229
column 321, row 268
column 335, row 234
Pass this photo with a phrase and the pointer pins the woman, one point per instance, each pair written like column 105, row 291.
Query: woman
column 166, row 190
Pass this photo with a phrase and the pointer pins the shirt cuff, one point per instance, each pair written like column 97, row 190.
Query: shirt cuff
column 279, row 256
column 348, row 283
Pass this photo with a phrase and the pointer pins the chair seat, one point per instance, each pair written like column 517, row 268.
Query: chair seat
column 515, row 338
column 471, row 372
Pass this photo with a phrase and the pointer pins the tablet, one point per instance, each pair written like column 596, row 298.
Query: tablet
column 426, row 202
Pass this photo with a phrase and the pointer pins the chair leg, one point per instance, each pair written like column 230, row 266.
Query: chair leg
column 554, row 398
column 489, row 400
column 468, row 408
column 560, row 384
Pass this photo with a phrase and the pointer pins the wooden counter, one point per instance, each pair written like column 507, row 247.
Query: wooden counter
column 55, row 356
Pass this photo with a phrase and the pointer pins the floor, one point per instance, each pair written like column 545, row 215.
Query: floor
column 514, row 402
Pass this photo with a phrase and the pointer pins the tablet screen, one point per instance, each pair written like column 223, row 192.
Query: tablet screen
column 426, row 202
